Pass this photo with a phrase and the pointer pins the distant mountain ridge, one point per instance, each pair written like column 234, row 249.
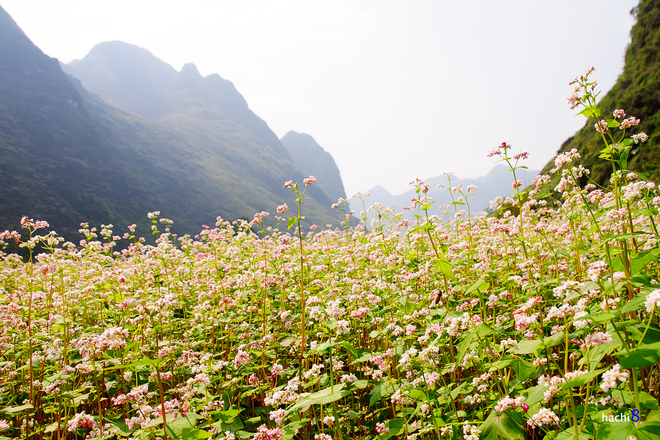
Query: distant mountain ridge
column 315, row 161
column 497, row 183
column 133, row 79
column 69, row 157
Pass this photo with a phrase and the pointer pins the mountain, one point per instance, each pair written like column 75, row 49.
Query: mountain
column 637, row 91
column 497, row 183
column 315, row 161
column 188, row 146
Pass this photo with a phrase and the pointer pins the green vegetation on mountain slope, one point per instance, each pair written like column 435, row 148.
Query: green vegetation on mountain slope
column 637, row 91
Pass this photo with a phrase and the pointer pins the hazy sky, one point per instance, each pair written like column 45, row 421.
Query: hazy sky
column 392, row 89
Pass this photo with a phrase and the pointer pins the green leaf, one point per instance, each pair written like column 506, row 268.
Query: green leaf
column 498, row 365
column 417, row 394
column 591, row 111
column 463, row 388
column 642, row 259
column 51, row 428
column 526, row 347
column 506, row 425
column 350, row 348
column 421, row 228
column 523, row 368
column 627, row 397
column 228, row 415
column 601, row 317
column 484, row 330
column 382, row 390
column 176, row 426
column 569, row 434
column 610, row 204
column 194, row 433
column 323, row 397
column 641, row 356
column 285, row 342
column 121, row 426
column 553, row 340
column 464, row 345
column 444, row 266
column 292, row 221
column 17, row 409
column 290, row 429
column 395, row 426
column 636, row 303
column 363, row 358
column 535, row 394
column 479, row 284
column 140, row 363
column 81, row 398
column 623, row 430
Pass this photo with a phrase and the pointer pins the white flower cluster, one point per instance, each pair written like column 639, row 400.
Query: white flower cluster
column 612, row 375
column 509, row 402
column 652, row 300
column 545, row 416
column 470, row 432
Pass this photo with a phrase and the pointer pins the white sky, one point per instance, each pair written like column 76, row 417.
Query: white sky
column 392, row 89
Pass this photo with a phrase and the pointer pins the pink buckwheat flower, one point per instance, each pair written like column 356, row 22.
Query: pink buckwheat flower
column 309, row 180
column 652, row 300
column 574, row 99
column 564, row 158
column 598, row 338
column 629, row 122
column 277, row 416
column 80, row 420
column 509, row 402
column 640, row 137
column 619, row 113
column 612, row 375
column 601, row 126
column 263, row 433
column 258, row 218
column 276, row 370
column 545, row 416
column 28, row 223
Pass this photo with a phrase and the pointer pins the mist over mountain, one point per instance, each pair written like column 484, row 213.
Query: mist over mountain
column 187, row 146
column 497, row 183
column 315, row 161
column 133, row 79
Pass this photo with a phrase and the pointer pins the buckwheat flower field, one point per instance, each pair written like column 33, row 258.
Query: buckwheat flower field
column 537, row 321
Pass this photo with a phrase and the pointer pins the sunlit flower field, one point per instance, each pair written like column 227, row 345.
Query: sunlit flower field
column 538, row 320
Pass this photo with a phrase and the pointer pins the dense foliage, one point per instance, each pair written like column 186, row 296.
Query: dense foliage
column 540, row 321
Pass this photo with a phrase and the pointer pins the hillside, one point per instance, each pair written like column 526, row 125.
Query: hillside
column 315, row 161
column 637, row 91
column 68, row 157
